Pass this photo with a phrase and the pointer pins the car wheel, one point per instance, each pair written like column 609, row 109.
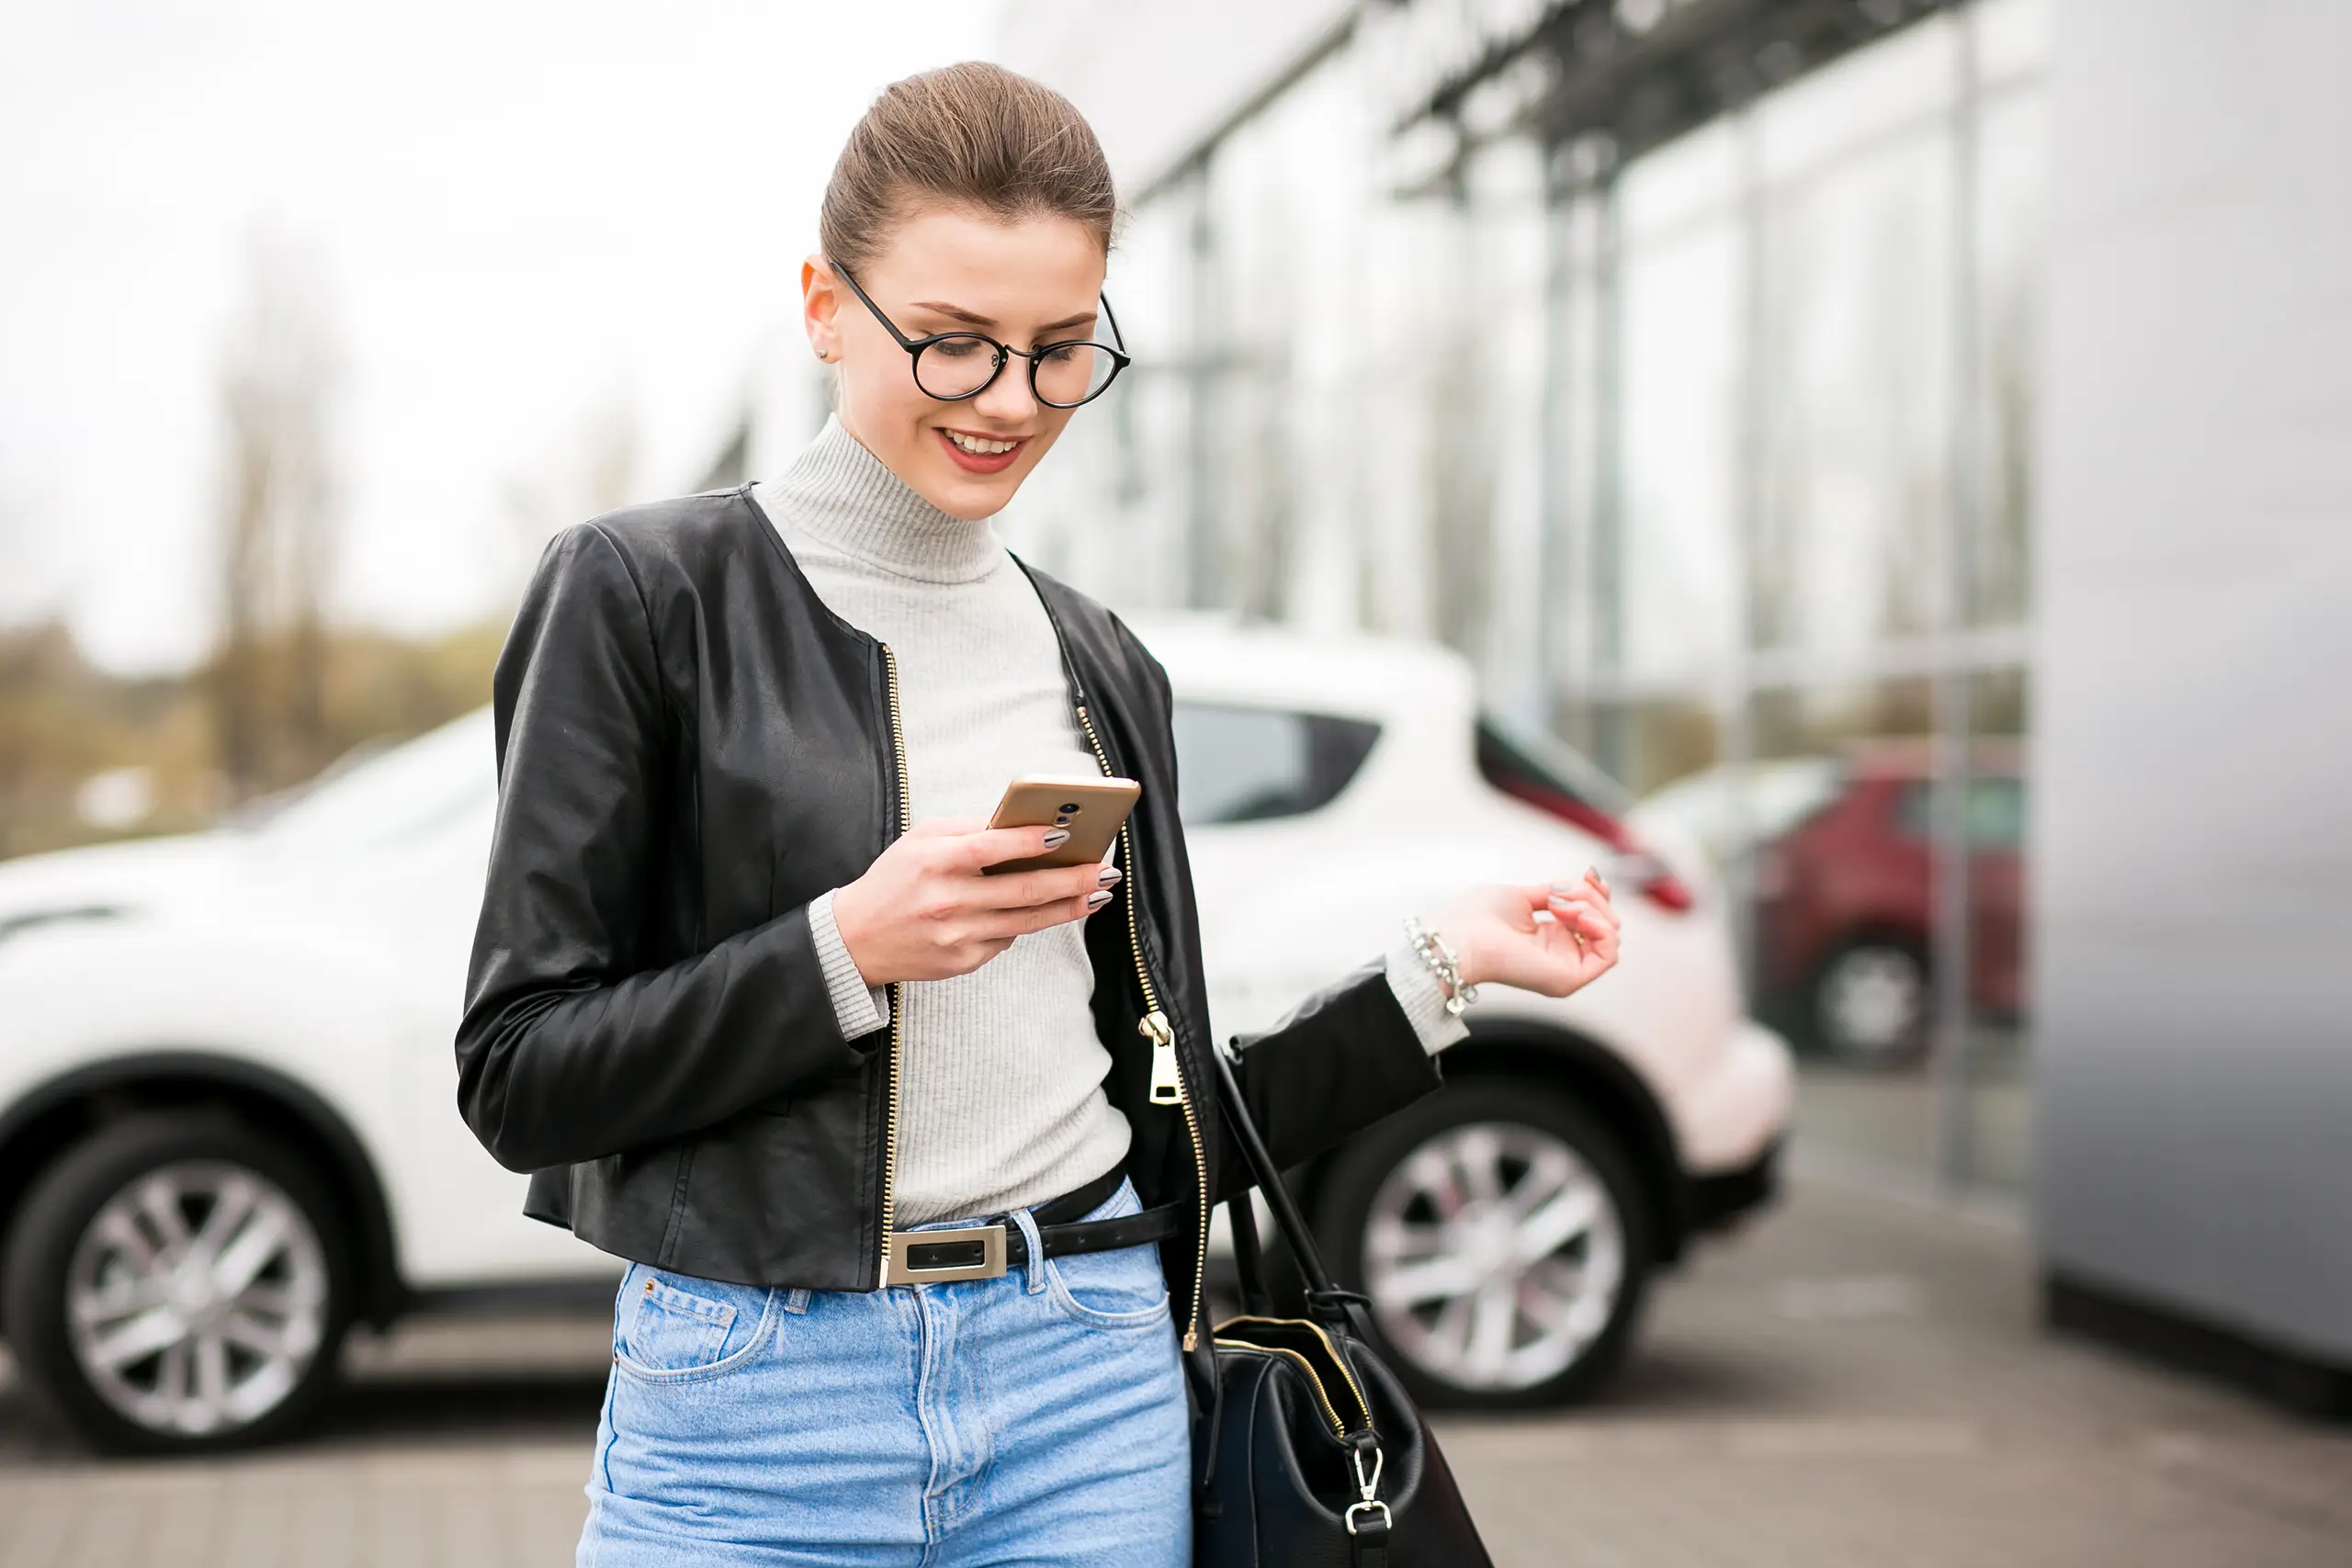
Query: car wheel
column 1502, row 1238
column 177, row 1284
column 1870, row 1004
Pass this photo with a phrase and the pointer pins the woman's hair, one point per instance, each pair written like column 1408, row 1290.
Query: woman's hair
column 973, row 135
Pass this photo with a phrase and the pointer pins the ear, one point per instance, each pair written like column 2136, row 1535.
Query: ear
column 821, row 299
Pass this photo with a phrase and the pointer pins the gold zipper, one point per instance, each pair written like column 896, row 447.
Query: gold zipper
column 898, row 1009
column 1306, row 1369
column 1345, row 1372
column 1155, row 1027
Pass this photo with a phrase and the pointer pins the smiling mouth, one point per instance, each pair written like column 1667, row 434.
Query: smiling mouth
column 982, row 445
column 977, row 453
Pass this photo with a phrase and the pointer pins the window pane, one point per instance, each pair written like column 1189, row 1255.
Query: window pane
column 1857, row 289
column 2013, row 149
column 1646, row 742
column 1669, row 598
column 1247, row 764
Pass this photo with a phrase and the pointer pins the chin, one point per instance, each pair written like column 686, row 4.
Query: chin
column 960, row 496
column 972, row 496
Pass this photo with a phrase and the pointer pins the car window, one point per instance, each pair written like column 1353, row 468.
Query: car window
column 1996, row 811
column 1239, row 764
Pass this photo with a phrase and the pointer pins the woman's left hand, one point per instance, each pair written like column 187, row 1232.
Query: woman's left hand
column 1496, row 935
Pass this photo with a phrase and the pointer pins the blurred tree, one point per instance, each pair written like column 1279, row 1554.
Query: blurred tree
column 276, row 537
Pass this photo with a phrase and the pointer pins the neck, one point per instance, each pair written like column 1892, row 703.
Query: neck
column 848, row 498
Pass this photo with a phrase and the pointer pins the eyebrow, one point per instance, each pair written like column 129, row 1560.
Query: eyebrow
column 973, row 318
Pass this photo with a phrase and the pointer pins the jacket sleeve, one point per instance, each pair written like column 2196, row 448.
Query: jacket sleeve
column 572, row 1047
column 1339, row 1061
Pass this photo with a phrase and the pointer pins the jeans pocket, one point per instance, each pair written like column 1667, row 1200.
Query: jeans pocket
column 1120, row 1288
column 1111, row 1290
column 671, row 1327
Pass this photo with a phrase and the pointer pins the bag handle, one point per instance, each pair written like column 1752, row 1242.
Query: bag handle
column 1323, row 1298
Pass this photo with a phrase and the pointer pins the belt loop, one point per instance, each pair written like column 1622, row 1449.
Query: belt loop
column 1036, row 1269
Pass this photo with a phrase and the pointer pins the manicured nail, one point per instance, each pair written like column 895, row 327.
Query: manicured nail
column 1096, row 899
column 1107, row 875
column 1055, row 836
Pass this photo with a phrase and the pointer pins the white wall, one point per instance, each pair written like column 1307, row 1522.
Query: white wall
column 2193, row 830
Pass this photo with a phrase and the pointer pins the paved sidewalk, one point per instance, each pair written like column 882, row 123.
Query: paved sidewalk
column 1858, row 1383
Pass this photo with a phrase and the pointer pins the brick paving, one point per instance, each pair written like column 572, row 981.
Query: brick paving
column 1856, row 1382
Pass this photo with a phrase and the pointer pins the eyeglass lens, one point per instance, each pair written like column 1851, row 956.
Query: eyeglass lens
column 958, row 366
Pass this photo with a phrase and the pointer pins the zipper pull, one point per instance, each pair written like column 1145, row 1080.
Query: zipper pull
column 1167, row 1087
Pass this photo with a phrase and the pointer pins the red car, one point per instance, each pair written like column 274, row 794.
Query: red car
column 1846, row 899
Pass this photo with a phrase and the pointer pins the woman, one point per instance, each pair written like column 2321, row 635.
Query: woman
column 745, row 1004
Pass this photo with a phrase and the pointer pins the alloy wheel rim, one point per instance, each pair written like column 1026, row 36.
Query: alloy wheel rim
column 1872, row 1000
column 196, row 1298
column 1494, row 1255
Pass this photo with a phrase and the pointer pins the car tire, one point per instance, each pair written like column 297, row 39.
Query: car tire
column 1869, row 1003
column 120, row 1324
column 1378, row 1219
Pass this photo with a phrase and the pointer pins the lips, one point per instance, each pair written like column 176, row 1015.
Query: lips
column 979, row 462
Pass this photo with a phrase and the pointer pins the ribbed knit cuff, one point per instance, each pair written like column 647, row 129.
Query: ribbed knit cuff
column 861, row 1009
column 1422, row 998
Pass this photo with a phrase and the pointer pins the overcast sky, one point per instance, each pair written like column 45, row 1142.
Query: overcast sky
column 523, row 215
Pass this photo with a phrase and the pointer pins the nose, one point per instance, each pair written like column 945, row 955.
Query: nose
column 1008, row 397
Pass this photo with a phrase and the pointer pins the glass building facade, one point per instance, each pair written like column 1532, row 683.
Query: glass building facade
column 1704, row 432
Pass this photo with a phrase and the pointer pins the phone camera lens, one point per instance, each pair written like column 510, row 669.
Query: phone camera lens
column 1061, row 821
column 1068, row 809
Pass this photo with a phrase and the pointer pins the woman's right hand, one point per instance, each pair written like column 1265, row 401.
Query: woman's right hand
column 924, row 909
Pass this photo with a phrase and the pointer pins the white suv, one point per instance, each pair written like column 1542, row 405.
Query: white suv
column 227, row 1126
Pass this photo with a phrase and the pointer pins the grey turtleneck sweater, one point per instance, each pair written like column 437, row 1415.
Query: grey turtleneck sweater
column 1000, row 1098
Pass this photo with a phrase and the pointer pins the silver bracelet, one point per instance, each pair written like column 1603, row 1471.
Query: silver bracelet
column 1440, row 958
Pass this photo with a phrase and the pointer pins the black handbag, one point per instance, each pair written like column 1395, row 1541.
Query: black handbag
column 1314, row 1456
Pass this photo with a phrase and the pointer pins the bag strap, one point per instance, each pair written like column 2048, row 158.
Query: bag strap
column 1248, row 1256
column 1368, row 1519
column 1323, row 1298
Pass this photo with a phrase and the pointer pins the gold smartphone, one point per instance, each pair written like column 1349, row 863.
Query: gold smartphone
column 1092, row 807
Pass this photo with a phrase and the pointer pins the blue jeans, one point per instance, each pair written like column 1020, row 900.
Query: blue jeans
column 1037, row 1417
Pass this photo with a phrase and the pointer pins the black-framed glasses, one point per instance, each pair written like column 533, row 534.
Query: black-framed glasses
column 952, row 366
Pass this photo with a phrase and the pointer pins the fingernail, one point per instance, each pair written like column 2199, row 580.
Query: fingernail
column 1106, row 877
column 1095, row 900
column 1055, row 836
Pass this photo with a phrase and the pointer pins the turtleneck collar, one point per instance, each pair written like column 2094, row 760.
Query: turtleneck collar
column 848, row 498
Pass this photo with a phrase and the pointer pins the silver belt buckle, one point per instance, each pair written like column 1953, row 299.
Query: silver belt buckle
column 917, row 1257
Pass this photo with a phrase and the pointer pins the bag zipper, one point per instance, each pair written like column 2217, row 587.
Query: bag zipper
column 1155, row 1027
column 898, row 1009
column 1305, row 1370
column 1347, row 1373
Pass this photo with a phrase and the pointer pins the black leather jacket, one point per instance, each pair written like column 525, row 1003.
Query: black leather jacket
column 691, row 747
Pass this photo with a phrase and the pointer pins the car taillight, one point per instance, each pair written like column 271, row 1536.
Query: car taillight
column 1635, row 862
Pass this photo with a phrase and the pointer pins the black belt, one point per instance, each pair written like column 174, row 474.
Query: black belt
column 988, row 1249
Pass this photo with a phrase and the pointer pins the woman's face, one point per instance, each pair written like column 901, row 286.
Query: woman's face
column 1023, row 282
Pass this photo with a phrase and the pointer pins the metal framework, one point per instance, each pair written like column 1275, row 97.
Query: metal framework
column 1639, row 73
